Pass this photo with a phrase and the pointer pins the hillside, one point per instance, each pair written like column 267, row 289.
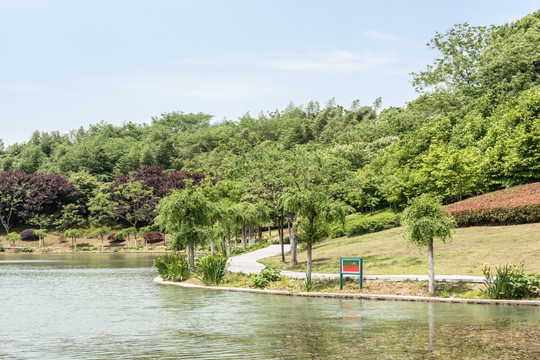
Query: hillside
column 387, row 252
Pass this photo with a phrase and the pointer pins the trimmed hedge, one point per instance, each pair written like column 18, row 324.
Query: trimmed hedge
column 515, row 205
column 502, row 216
column 359, row 224
column 28, row 235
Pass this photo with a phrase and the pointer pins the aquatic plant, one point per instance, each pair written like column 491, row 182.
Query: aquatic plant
column 509, row 282
column 172, row 267
column 212, row 268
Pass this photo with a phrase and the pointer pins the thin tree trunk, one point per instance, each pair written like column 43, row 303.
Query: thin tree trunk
column 309, row 262
column 212, row 239
column 243, row 236
column 101, row 242
column 289, row 229
column 292, row 237
column 191, row 255
column 260, row 233
column 280, row 230
column 251, row 229
column 269, row 234
column 228, row 240
column 135, row 236
column 431, row 268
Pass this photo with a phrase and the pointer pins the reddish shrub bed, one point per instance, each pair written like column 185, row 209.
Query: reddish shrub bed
column 28, row 235
column 516, row 205
column 153, row 237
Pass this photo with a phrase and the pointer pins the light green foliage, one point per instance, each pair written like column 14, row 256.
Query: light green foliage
column 71, row 218
column 12, row 238
column 27, row 249
column 509, row 282
column 212, row 268
column 172, row 267
column 426, row 220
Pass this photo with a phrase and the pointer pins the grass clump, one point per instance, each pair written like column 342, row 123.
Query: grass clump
column 27, row 249
column 212, row 268
column 172, row 267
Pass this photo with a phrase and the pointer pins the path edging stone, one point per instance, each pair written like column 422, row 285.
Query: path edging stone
column 159, row 280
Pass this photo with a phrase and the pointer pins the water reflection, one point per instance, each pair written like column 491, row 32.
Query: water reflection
column 106, row 306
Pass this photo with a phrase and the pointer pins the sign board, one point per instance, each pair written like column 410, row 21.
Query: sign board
column 350, row 266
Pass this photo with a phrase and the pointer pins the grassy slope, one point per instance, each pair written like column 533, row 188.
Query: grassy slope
column 387, row 252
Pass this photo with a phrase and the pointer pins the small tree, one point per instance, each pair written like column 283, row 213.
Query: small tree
column 41, row 220
column 426, row 220
column 186, row 215
column 41, row 233
column 73, row 234
column 12, row 237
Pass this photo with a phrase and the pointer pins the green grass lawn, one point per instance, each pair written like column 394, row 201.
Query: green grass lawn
column 387, row 252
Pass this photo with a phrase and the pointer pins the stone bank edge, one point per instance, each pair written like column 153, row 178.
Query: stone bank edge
column 159, row 280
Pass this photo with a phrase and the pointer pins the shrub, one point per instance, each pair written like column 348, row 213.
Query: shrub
column 28, row 235
column 515, row 205
column 116, row 236
column 153, row 237
column 2, row 248
column 271, row 274
column 27, row 249
column 172, row 267
column 212, row 268
column 509, row 282
column 259, row 282
column 363, row 224
column 263, row 278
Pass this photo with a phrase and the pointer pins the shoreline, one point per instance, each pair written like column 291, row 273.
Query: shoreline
column 159, row 280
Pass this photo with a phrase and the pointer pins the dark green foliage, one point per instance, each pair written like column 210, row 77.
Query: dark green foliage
column 28, row 235
column 2, row 248
column 364, row 223
column 116, row 236
column 27, row 249
column 266, row 276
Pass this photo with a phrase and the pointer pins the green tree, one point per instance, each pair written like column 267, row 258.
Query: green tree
column 186, row 215
column 73, row 234
column 315, row 195
column 12, row 237
column 426, row 220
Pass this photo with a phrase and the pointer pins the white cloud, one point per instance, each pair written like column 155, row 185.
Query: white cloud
column 379, row 35
column 332, row 61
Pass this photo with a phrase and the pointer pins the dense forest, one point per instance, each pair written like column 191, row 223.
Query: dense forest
column 474, row 128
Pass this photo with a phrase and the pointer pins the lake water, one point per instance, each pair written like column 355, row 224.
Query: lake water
column 91, row 306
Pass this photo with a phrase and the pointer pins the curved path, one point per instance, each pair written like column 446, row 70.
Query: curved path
column 247, row 263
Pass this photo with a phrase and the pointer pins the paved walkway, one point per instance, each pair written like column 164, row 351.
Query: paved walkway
column 247, row 263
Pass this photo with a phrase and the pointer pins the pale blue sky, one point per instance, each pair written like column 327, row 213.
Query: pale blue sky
column 70, row 63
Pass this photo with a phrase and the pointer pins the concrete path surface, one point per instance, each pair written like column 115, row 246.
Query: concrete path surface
column 247, row 264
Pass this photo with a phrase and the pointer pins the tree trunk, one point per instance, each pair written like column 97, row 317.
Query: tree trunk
column 309, row 262
column 431, row 268
column 191, row 255
column 243, row 236
column 269, row 234
column 212, row 238
column 292, row 237
column 101, row 242
column 228, row 240
column 280, row 231
column 135, row 236
column 251, row 229
column 260, row 233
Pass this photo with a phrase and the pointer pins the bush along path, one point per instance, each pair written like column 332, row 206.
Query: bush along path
column 247, row 264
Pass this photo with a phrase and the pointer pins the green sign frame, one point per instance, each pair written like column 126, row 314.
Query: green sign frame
column 351, row 266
